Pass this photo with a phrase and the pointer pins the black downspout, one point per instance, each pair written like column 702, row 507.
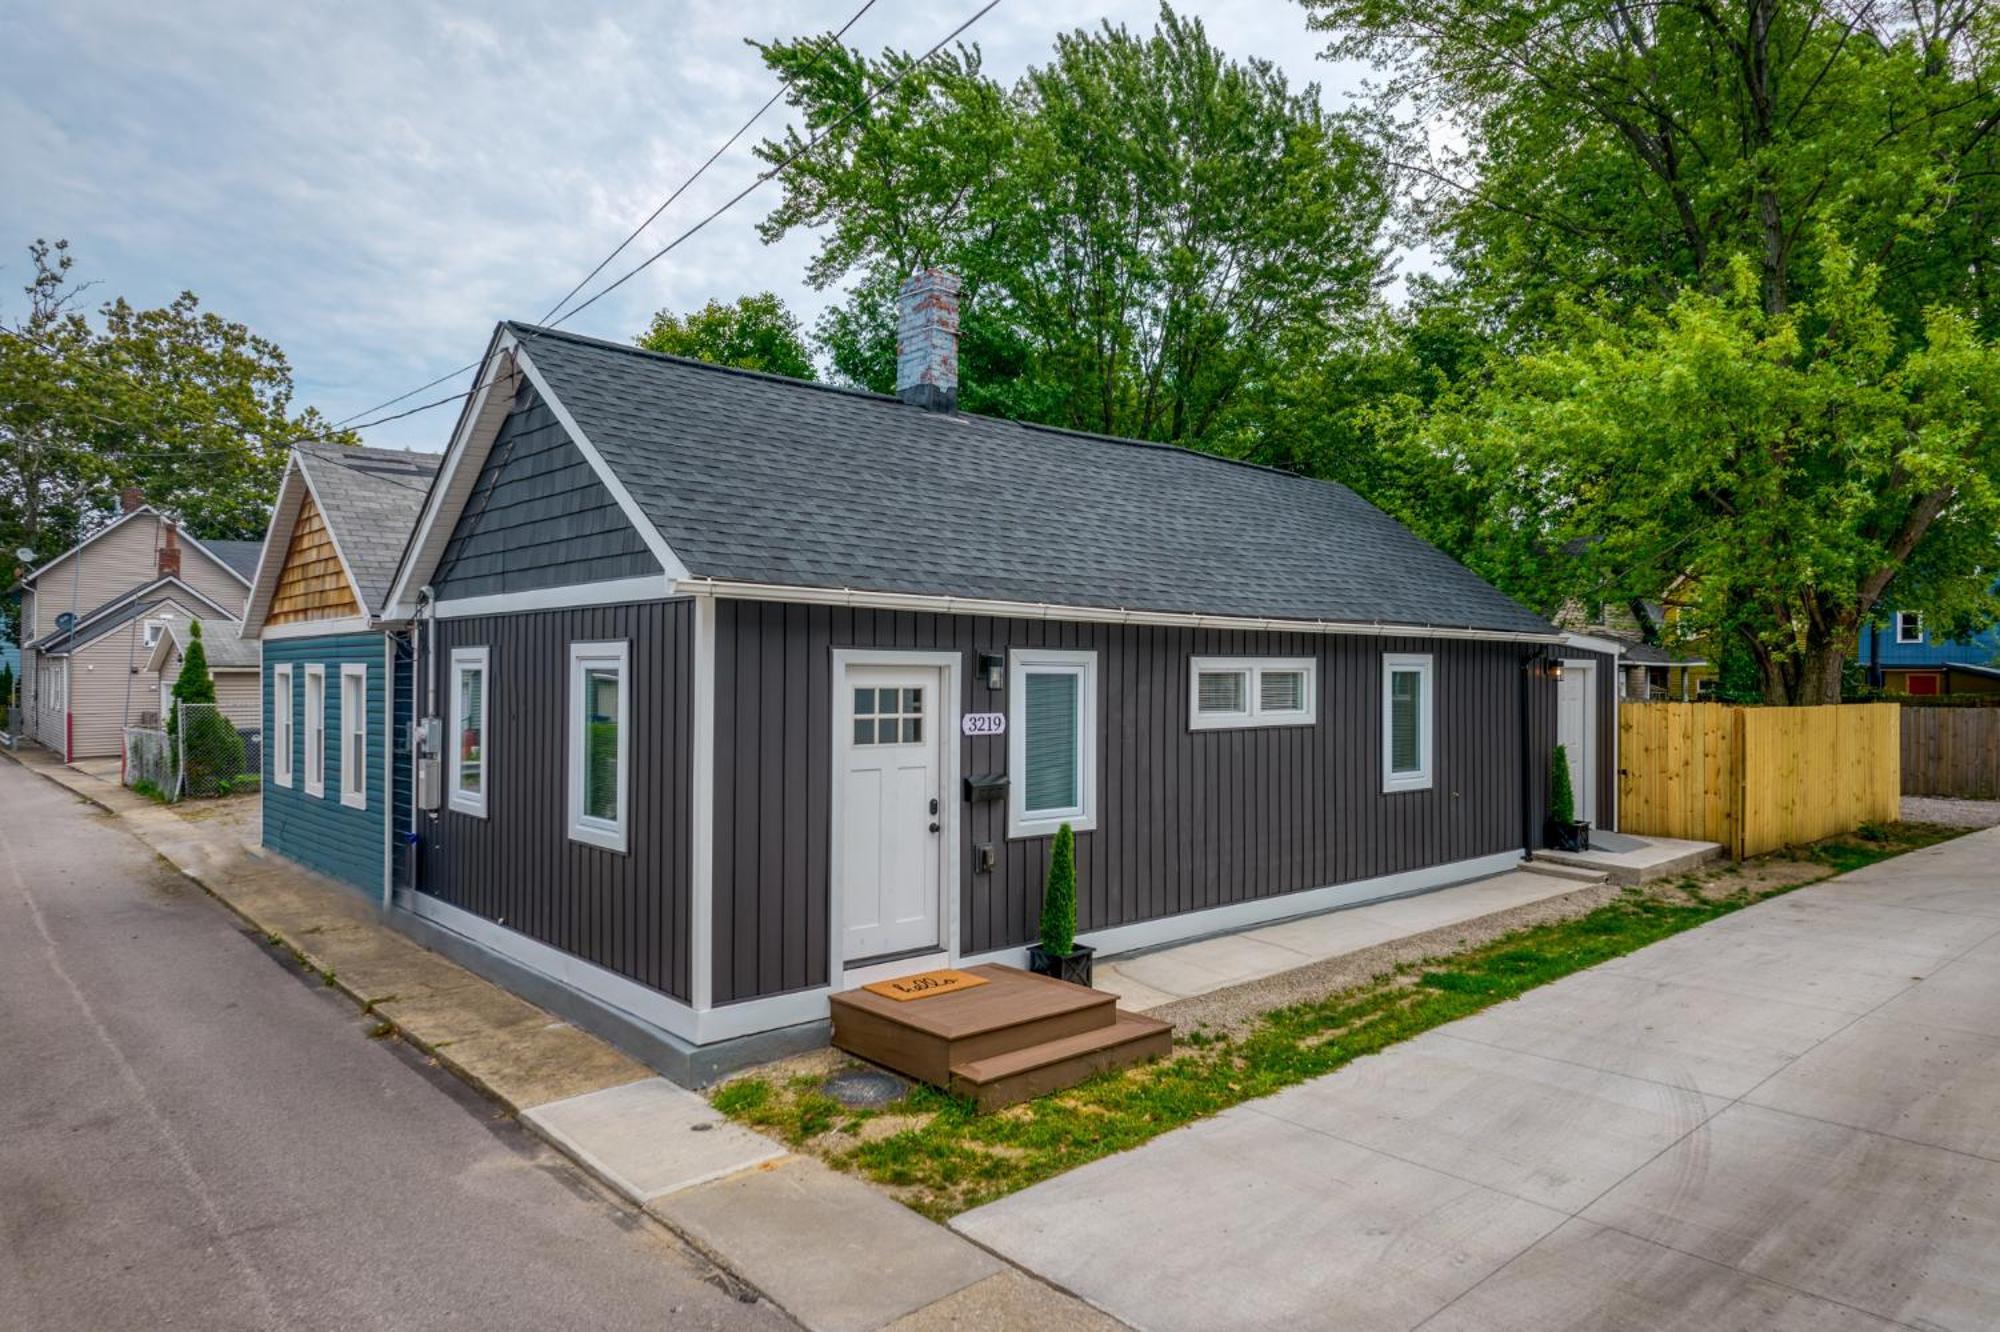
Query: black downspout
column 1529, row 671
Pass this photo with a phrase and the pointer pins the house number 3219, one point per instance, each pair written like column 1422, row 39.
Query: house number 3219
column 984, row 723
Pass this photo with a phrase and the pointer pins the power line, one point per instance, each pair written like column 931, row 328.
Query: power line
column 771, row 101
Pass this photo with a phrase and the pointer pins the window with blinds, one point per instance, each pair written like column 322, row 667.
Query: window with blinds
column 1236, row 692
column 1406, row 721
column 1052, row 745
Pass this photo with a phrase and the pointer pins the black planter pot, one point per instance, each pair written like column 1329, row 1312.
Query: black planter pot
column 1573, row 836
column 1075, row 968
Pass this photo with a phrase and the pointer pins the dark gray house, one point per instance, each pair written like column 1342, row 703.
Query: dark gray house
column 747, row 690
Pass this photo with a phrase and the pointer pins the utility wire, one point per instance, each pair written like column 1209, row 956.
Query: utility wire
column 651, row 217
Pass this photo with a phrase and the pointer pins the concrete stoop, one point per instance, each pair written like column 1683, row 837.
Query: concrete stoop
column 832, row 1252
column 1655, row 858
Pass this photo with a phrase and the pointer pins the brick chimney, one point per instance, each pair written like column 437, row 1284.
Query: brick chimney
column 170, row 551
column 927, row 340
column 131, row 498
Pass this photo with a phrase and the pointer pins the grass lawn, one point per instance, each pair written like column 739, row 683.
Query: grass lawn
column 940, row 1156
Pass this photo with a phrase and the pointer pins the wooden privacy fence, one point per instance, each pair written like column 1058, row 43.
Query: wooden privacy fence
column 1952, row 752
column 1756, row 779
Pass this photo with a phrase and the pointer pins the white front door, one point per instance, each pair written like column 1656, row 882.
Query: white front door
column 1576, row 732
column 891, row 845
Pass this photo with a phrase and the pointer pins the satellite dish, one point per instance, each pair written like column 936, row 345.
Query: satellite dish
column 65, row 622
column 25, row 554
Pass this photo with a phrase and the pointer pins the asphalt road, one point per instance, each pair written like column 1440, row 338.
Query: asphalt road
column 195, row 1134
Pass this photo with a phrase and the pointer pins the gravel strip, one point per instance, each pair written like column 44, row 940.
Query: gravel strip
column 1951, row 813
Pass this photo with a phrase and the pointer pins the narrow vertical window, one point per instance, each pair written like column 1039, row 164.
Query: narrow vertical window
column 1052, row 742
column 316, row 730
column 1406, row 722
column 281, row 725
column 354, row 736
column 599, row 743
column 466, row 745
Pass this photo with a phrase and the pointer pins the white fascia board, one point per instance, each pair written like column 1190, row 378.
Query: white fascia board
column 1028, row 610
column 277, row 537
column 611, row 592
column 634, row 515
column 333, row 535
column 1611, row 647
column 470, row 441
column 346, row 624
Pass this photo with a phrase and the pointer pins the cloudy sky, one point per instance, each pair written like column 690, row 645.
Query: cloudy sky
column 374, row 183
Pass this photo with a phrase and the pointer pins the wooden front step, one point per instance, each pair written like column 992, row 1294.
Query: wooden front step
column 927, row 1038
column 1020, row 1075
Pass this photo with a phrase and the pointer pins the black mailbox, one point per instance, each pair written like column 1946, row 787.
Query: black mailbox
column 986, row 786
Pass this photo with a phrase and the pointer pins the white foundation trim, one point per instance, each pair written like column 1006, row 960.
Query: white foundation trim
column 1025, row 610
column 1243, row 915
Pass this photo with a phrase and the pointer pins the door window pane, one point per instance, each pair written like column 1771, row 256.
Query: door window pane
column 1050, row 742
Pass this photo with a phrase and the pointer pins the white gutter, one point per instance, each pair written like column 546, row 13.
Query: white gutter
column 1026, row 610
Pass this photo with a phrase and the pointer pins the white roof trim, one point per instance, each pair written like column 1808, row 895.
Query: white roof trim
column 277, row 536
column 1026, row 610
column 1592, row 643
column 346, row 569
column 26, row 580
column 471, row 443
column 125, row 599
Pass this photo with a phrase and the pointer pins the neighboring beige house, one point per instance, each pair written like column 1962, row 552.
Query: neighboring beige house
column 125, row 584
column 234, row 665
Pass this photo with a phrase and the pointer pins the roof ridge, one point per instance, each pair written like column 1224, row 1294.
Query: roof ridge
column 890, row 399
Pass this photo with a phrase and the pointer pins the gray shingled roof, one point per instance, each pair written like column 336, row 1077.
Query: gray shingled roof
column 371, row 498
column 220, row 643
column 240, row 556
column 761, row 479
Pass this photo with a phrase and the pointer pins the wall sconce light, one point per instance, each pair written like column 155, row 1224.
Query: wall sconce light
column 1556, row 671
column 993, row 670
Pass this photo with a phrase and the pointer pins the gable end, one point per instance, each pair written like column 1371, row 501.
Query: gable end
column 312, row 582
column 538, row 516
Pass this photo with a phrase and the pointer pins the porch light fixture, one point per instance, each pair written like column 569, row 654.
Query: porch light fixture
column 993, row 670
column 1556, row 671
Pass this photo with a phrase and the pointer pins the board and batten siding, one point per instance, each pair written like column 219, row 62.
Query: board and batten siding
column 319, row 831
column 538, row 516
column 402, row 771
column 628, row 913
column 1187, row 819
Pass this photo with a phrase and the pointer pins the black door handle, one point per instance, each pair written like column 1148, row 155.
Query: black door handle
column 934, row 827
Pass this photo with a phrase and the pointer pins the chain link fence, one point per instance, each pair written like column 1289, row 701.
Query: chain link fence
column 199, row 753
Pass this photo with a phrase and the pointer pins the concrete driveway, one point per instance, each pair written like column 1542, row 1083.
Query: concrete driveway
column 1787, row 1119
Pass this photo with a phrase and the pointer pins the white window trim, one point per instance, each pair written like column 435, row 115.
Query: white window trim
column 1913, row 618
column 356, row 762
column 1020, row 662
column 582, row 827
column 281, row 724
column 316, row 731
column 150, row 637
column 461, row 800
column 1420, row 780
column 1253, row 713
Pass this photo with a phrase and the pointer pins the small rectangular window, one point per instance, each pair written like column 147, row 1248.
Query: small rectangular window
column 154, row 628
column 600, row 743
column 1052, row 742
column 1909, row 627
column 281, row 725
column 316, row 730
column 354, row 736
column 466, row 748
column 1237, row 692
column 1406, row 722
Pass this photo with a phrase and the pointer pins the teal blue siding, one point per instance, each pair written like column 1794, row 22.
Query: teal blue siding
column 403, row 770
column 319, row 831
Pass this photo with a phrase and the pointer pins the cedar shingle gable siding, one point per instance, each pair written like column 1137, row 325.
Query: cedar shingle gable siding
column 538, row 516
column 311, row 585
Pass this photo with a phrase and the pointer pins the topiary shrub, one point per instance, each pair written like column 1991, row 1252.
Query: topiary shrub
column 1562, row 796
column 1059, row 899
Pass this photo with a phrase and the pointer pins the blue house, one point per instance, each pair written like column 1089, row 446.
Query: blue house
column 1904, row 657
column 336, row 682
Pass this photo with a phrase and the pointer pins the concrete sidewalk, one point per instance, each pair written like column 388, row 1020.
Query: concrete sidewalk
column 827, row 1249
column 1782, row 1120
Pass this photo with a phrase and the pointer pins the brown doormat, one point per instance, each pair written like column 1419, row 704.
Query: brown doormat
column 924, row 984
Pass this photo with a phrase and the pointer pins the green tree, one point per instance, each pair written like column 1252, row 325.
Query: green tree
column 194, row 684
column 1622, row 153
column 1146, row 230
column 1778, row 469
column 1562, row 793
column 754, row 333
